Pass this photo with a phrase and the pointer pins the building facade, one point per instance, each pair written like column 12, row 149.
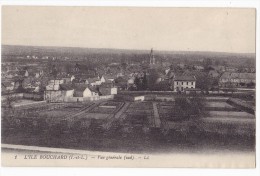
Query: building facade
column 236, row 79
column 180, row 83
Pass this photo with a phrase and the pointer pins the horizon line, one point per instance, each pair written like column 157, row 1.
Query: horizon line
column 160, row 50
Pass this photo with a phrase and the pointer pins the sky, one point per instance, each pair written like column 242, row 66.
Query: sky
column 174, row 29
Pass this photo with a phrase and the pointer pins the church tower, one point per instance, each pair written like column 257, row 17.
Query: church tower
column 152, row 59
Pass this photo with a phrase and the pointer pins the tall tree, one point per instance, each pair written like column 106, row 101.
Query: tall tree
column 152, row 78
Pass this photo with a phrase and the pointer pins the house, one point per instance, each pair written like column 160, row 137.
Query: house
column 94, row 81
column 121, row 83
column 54, row 84
column 67, row 79
column 67, row 90
column 236, row 79
column 81, row 78
column 56, row 81
column 58, row 92
column 85, row 91
column 179, row 83
column 105, row 78
column 53, row 96
column 107, row 89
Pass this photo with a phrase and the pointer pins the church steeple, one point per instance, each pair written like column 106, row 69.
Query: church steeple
column 152, row 59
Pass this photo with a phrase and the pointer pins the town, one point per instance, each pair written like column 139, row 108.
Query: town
column 89, row 98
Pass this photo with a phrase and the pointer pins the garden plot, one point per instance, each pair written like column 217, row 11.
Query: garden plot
column 167, row 111
column 218, row 104
column 93, row 116
column 67, row 110
column 139, row 113
column 230, row 114
column 137, row 120
column 102, row 110
column 111, row 103
column 59, row 113
column 107, row 107
column 140, row 105
column 228, row 126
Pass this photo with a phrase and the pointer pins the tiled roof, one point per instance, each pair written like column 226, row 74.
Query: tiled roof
column 66, row 87
column 83, row 87
column 185, row 78
column 93, row 89
column 80, row 87
column 91, row 80
column 107, row 85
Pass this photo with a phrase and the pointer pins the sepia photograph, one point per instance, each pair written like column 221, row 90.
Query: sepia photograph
column 128, row 87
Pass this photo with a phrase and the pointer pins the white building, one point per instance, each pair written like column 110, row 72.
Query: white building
column 85, row 92
column 54, row 84
column 180, row 83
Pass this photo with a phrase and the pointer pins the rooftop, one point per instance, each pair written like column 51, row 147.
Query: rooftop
column 229, row 75
column 185, row 78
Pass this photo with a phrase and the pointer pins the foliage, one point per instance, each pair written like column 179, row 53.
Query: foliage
column 152, row 78
column 190, row 108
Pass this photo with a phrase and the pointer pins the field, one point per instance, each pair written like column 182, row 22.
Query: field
column 133, row 127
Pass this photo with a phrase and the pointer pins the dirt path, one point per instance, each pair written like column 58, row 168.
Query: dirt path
column 122, row 110
column 82, row 111
column 157, row 120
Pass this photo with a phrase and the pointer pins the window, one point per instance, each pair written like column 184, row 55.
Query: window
column 187, row 83
column 181, row 83
column 191, row 83
column 177, row 83
column 192, row 87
